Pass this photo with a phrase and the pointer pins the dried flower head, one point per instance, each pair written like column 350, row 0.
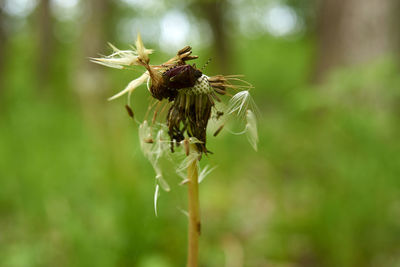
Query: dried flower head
column 187, row 98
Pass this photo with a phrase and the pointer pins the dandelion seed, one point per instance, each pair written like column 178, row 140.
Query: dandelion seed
column 156, row 195
column 161, row 181
column 205, row 172
column 132, row 85
column 194, row 140
column 184, row 182
column 186, row 145
column 182, row 167
column 129, row 110
column 184, row 212
column 123, row 58
column 143, row 53
column 239, row 103
column 251, row 129
column 148, row 140
column 218, row 130
column 144, row 134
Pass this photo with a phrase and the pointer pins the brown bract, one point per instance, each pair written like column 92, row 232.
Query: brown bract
column 173, row 75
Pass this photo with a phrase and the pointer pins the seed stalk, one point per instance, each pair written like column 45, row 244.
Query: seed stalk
column 194, row 214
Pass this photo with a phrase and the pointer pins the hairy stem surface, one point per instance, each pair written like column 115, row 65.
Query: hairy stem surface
column 194, row 215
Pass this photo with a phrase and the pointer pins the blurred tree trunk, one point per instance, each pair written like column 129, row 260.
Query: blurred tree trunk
column 46, row 44
column 91, row 82
column 354, row 31
column 215, row 13
column 95, row 32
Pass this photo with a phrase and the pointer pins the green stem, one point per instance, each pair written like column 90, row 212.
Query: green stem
column 194, row 215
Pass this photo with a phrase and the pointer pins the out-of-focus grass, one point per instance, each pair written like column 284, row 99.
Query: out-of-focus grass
column 322, row 190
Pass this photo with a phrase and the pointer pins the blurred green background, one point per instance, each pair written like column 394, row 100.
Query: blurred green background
column 323, row 189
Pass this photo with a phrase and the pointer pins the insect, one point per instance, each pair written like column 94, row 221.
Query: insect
column 219, row 114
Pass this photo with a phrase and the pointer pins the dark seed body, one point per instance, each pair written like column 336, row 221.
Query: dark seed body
column 129, row 110
column 187, row 147
column 218, row 130
column 149, row 140
column 199, row 228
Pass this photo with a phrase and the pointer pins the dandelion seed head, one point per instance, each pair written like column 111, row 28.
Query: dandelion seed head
column 186, row 99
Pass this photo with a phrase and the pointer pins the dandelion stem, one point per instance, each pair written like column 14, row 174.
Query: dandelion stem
column 194, row 214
